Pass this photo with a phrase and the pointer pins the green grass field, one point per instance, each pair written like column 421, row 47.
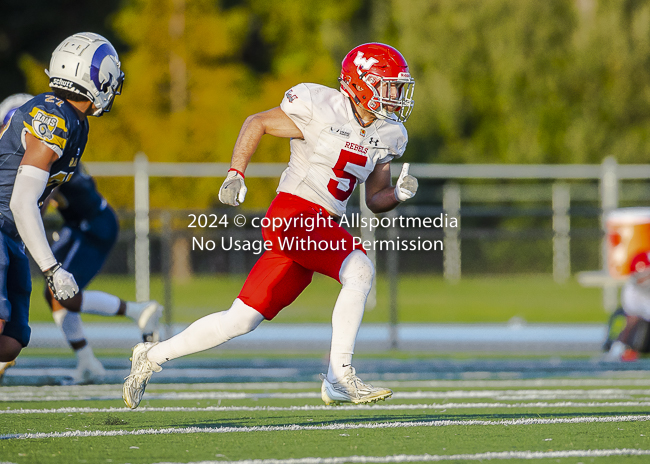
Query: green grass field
column 534, row 298
column 543, row 420
column 598, row 419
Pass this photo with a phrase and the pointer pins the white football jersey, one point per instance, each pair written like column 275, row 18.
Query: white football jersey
column 336, row 152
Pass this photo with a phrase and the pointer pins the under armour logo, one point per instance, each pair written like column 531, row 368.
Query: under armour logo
column 373, row 141
column 363, row 63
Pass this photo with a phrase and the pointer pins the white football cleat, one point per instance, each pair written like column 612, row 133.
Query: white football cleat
column 6, row 365
column 141, row 371
column 147, row 315
column 88, row 372
column 351, row 389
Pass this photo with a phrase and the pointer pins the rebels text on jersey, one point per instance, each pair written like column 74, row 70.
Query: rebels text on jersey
column 55, row 123
column 336, row 152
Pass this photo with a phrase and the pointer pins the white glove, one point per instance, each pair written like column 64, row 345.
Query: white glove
column 61, row 282
column 233, row 189
column 406, row 186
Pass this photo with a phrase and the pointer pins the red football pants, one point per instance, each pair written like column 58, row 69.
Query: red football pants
column 311, row 243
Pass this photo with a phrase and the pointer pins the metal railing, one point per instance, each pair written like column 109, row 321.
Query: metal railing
column 608, row 175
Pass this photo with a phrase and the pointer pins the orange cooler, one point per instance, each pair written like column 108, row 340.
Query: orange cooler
column 628, row 233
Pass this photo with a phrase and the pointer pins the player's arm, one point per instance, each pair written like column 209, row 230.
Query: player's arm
column 381, row 195
column 31, row 180
column 273, row 122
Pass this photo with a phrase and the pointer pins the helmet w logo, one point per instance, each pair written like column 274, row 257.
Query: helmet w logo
column 363, row 63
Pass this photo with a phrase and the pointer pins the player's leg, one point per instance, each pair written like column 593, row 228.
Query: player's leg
column 338, row 259
column 207, row 332
column 73, row 251
column 273, row 283
column 99, row 237
column 15, row 290
column 341, row 385
column 146, row 314
column 84, row 251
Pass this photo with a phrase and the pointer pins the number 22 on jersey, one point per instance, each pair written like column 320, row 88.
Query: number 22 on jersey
column 345, row 158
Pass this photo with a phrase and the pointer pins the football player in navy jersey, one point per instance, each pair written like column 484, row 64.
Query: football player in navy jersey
column 40, row 147
column 89, row 232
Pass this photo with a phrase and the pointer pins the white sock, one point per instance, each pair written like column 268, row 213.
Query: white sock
column 133, row 309
column 208, row 332
column 346, row 320
column 356, row 275
column 84, row 355
column 101, row 303
column 70, row 324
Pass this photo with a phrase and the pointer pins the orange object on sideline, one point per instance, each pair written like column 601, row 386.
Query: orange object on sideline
column 628, row 234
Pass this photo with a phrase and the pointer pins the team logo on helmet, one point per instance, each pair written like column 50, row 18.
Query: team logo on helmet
column 103, row 67
column 364, row 63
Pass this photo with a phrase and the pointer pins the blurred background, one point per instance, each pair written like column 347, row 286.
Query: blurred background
column 531, row 121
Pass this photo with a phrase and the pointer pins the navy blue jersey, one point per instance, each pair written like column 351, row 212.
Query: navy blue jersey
column 78, row 199
column 54, row 122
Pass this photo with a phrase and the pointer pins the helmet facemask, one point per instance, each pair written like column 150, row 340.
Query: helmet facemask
column 392, row 97
column 103, row 100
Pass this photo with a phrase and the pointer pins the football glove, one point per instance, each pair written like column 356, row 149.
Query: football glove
column 406, row 186
column 61, row 282
column 233, row 190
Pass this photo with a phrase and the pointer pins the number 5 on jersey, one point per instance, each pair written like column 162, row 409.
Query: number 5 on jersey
column 345, row 158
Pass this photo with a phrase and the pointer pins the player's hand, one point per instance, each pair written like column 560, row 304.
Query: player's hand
column 2, row 325
column 406, row 186
column 61, row 282
column 233, row 189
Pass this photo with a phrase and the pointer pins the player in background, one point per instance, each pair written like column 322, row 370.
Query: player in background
column 40, row 146
column 634, row 338
column 339, row 137
column 89, row 232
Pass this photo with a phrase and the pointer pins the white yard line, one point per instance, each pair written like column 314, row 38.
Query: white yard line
column 441, row 457
column 376, row 407
column 350, row 426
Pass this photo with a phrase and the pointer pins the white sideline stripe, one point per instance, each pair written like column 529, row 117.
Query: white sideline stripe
column 442, row 457
column 297, row 428
column 512, row 395
column 456, row 384
column 376, row 407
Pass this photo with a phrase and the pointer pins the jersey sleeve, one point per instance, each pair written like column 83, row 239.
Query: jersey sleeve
column 49, row 125
column 297, row 104
column 395, row 150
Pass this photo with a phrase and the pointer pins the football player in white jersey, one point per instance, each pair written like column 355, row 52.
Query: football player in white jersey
column 339, row 137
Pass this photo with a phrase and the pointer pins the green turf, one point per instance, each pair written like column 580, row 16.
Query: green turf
column 345, row 441
column 425, row 298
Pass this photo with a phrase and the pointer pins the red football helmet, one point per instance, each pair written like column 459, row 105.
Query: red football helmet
column 377, row 78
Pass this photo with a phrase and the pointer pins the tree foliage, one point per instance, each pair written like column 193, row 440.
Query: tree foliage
column 497, row 81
